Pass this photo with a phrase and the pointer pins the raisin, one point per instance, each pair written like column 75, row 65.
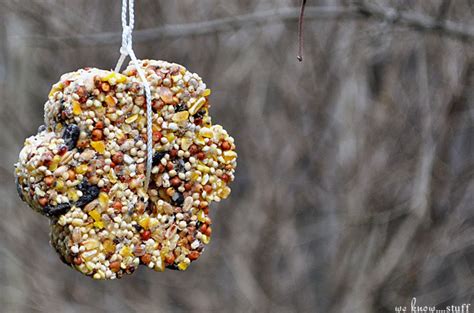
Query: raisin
column 200, row 114
column 177, row 198
column 157, row 158
column 57, row 210
column 71, row 135
column 89, row 193
column 180, row 108
column 172, row 267
column 137, row 227
column 179, row 166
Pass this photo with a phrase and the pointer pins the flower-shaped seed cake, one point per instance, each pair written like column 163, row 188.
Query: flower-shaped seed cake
column 86, row 167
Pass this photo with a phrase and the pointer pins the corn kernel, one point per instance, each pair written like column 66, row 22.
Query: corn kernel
column 180, row 116
column 76, row 108
column 72, row 195
column 206, row 132
column 206, row 92
column 119, row 78
column 203, row 168
column 54, row 163
column 131, row 119
column 170, row 137
column 109, row 246
column 205, row 239
column 201, row 216
column 159, row 265
column 110, row 100
column 223, row 193
column 81, row 169
column 125, row 251
column 98, row 146
column 197, row 105
column 229, row 156
column 103, row 199
column 59, row 185
column 56, row 87
column 183, row 266
column 194, row 176
column 144, row 222
column 95, row 215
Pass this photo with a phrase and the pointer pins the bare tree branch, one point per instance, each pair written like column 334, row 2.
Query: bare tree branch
column 414, row 21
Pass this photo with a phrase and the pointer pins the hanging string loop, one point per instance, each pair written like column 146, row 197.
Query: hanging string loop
column 127, row 50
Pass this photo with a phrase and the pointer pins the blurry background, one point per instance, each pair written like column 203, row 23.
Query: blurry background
column 354, row 188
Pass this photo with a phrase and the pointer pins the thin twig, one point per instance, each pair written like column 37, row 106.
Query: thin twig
column 419, row 22
column 300, row 32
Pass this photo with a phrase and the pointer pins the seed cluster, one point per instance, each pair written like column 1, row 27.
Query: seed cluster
column 85, row 169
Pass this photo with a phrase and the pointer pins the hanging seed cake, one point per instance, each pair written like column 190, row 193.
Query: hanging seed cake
column 85, row 169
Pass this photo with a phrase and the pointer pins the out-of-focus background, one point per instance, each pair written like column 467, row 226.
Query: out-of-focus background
column 354, row 188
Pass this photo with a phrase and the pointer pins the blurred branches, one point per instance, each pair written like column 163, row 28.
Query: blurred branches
column 359, row 10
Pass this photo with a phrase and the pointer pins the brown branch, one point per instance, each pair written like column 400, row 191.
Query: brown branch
column 419, row 22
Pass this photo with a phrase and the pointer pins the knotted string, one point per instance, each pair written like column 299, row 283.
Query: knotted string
column 127, row 50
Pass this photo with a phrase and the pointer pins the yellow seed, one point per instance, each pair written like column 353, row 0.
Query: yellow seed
column 99, row 224
column 170, row 137
column 72, row 195
column 141, row 122
column 76, row 108
column 200, row 140
column 110, row 100
column 229, row 156
column 81, row 169
column 203, row 168
column 223, row 193
column 205, row 239
column 159, row 265
column 54, row 163
column 125, row 251
column 201, row 216
column 194, row 176
column 95, row 215
column 183, row 266
column 112, row 177
column 59, row 185
column 99, row 146
column 197, row 105
column 56, row 87
column 180, row 116
column 186, row 143
column 206, row 92
column 206, row 132
column 119, row 78
column 155, row 128
column 144, row 222
column 103, row 199
column 109, row 246
column 131, row 119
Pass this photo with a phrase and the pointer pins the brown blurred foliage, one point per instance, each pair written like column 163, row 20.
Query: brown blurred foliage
column 354, row 189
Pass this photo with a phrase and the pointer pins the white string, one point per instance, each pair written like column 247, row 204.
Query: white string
column 127, row 50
